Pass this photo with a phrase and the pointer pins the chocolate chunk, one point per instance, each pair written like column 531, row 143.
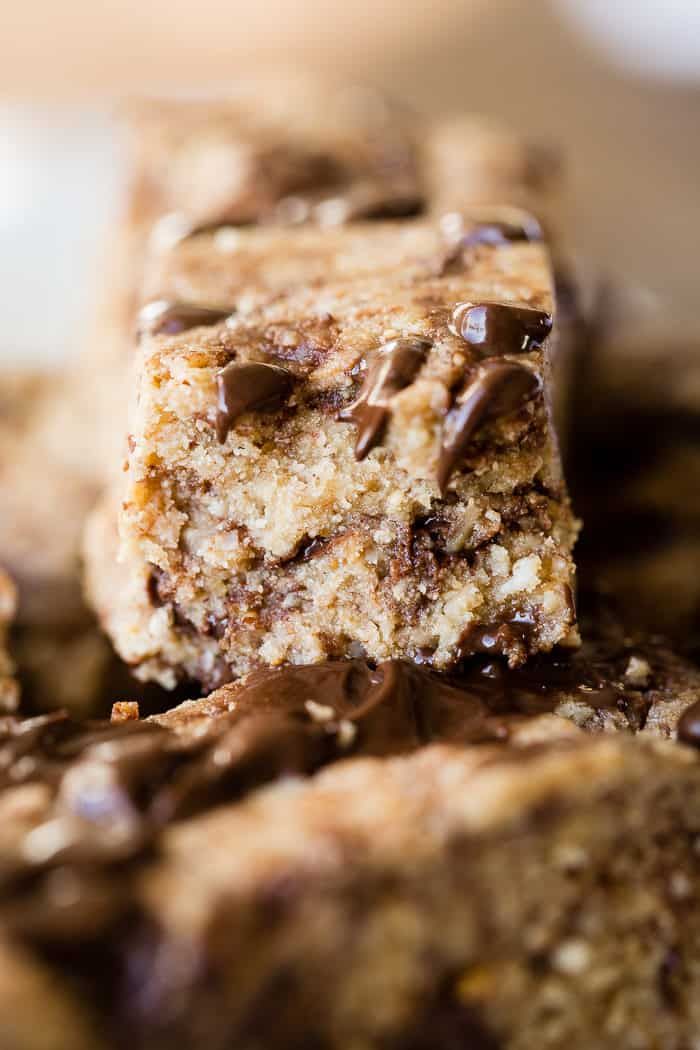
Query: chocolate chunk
column 169, row 318
column 689, row 726
column 500, row 328
column 249, row 385
column 496, row 388
column 394, row 366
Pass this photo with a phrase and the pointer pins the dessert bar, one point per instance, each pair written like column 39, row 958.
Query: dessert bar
column 473, row 864
column 353, row 452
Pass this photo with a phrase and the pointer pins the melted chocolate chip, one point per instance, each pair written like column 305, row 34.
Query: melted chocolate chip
column 393, row 367
column 495, row 389
column 169, row 318
column 689, row 726
column 505, row 639
column 249, row 385
column 501, row 328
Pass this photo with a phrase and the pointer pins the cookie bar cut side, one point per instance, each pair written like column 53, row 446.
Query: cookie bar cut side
column 362, row 462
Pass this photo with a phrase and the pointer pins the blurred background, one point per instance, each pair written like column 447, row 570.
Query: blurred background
column 615, row 84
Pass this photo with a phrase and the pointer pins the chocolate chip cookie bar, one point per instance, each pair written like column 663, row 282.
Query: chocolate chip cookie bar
column 476, row 867
column 286, row 149
column 357, row 457
column 298, row 149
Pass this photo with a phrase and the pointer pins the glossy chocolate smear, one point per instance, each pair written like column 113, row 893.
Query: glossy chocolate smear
column 500, row 328
column 495, row 389
column 393, row 367
column 163, row 317
column 108, row 788
column 249, row 385
column 501, row 639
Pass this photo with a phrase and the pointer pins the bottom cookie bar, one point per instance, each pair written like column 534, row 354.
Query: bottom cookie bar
column 537, row 896
column 471, row 869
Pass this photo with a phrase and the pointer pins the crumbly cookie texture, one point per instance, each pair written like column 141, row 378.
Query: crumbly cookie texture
column 394, row 491
column 9, row 693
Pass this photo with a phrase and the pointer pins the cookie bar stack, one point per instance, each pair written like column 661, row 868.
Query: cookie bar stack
column 341, row 438
column 411, row 808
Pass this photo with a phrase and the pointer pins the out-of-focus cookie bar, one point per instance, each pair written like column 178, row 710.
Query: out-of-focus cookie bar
column 49, row 479
column 281, row 150
column 504, row 877
column 9, row 693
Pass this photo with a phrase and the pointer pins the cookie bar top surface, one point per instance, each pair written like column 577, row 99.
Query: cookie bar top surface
column 320, row 306
column 229, row 266
column 285, row 150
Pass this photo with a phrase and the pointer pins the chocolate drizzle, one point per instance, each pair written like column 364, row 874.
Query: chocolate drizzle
column 163, row 317
column 393, row 367
column 501, row 328
column 243, row 386
column 495, row 389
